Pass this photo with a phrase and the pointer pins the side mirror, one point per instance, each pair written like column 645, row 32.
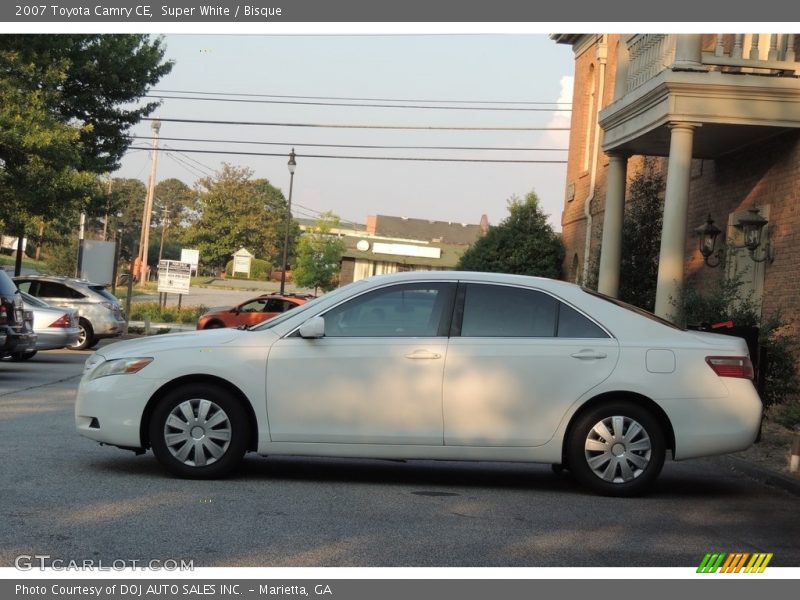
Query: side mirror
column 313, row 329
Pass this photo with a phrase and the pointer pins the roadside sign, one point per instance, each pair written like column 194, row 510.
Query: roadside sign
column 174, row 276
column 191, row 256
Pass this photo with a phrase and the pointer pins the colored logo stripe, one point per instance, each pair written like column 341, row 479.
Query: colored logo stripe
column 734, row 563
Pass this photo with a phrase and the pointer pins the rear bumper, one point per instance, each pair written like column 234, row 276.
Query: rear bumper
column 716, row 425
column 14, row 342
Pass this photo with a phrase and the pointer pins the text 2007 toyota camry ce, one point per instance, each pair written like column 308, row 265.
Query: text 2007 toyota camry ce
column 439, row 365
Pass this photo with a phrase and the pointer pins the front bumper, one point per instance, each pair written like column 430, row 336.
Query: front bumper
column 108, row 412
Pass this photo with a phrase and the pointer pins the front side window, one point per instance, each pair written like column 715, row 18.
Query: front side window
column 408, row 310
column 254, row 306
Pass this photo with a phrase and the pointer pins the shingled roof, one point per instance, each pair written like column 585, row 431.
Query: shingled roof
column 420, row 229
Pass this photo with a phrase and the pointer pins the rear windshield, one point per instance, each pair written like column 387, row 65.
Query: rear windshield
column 635, row 309
column 7, row 286
column 99, row 289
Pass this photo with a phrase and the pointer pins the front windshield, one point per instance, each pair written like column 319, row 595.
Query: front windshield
column 270, row 323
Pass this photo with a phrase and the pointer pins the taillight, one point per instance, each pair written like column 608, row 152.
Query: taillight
column 3, row 314
column 62, row 321
column 731, row 366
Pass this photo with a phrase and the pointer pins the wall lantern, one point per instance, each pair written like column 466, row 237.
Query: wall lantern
column 708, row 233
column 752, row 225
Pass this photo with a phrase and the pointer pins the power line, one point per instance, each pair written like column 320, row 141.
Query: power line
column 189, row 169
column 355, row 99
column 350, row 104
column 360, row 146
column 340, row 126
column 208, row 170
column 387, row 158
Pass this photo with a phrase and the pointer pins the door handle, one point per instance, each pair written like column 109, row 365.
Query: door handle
column 588, row 355
column 423, row 355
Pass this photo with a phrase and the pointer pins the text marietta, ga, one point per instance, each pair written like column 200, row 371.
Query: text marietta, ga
column 138, row 590
column 146, row 10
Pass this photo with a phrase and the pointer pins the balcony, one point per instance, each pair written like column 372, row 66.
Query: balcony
column 738, row 89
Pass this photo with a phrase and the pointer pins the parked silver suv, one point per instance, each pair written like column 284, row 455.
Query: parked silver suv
column 99, row 313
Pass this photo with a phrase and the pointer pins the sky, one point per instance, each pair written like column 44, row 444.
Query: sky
column 435, row 73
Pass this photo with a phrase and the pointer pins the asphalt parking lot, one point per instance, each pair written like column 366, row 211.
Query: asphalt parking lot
column 68, row 497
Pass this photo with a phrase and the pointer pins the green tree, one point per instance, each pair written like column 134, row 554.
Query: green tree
column 235, row 211
column 641, row 237
column 523, row 243
column 67, row 103
column 319, row 255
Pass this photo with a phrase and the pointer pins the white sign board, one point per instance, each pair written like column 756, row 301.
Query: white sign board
column 174, row 276
column 191, row 256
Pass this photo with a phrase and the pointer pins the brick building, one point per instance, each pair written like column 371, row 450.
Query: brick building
column 721, row 116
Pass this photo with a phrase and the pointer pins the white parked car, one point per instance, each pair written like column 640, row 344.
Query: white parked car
column 433, row 365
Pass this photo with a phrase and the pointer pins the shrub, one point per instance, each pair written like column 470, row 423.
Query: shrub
column 259, row 270
column 170, row 314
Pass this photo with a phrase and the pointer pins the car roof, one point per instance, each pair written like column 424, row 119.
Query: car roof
column 58, row 278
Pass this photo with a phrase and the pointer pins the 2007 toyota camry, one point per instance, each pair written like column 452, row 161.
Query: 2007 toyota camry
column 435, row 365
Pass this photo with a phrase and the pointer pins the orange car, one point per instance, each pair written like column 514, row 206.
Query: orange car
column 251, row 312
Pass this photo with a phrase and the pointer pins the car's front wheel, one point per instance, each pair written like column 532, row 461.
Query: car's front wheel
column 616, row 448
column 199, row 432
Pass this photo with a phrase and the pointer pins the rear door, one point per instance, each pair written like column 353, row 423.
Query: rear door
column 516, row 362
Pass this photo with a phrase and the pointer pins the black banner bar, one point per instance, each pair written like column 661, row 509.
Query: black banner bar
column 408, row 11
column 730, row 587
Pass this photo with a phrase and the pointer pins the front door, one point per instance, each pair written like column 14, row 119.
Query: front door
column 376, row 376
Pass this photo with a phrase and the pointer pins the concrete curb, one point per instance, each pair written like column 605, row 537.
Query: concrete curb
column 785, row 482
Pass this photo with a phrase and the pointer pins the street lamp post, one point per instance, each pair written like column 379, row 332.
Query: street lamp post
column 292, row 166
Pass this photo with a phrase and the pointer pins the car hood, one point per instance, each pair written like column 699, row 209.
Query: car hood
column 171, row 341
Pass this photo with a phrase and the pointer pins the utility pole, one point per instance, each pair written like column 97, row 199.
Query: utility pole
column 164, row 224
column 148, row 206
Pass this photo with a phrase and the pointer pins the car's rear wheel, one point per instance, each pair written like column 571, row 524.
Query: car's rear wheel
column 616, row 449
column 85, row 337
column 199, row 432
column 214, row 325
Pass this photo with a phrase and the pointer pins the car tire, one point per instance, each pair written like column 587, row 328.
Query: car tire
column 199, row 431
column 85, row 337
column 214, row 325
column 19, row 356
column 616, row 449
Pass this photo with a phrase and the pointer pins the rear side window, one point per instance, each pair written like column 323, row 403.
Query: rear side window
column 572, row 324
column 99, row 289
column 49, row 289
column 503, row 311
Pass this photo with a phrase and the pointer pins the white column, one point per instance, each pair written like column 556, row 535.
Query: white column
column 673, row 233
column 688, row 52
column 611, row 248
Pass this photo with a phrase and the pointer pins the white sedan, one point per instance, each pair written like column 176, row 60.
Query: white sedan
column 434, row 365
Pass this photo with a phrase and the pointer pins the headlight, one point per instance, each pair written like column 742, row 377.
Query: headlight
column 120, row 366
